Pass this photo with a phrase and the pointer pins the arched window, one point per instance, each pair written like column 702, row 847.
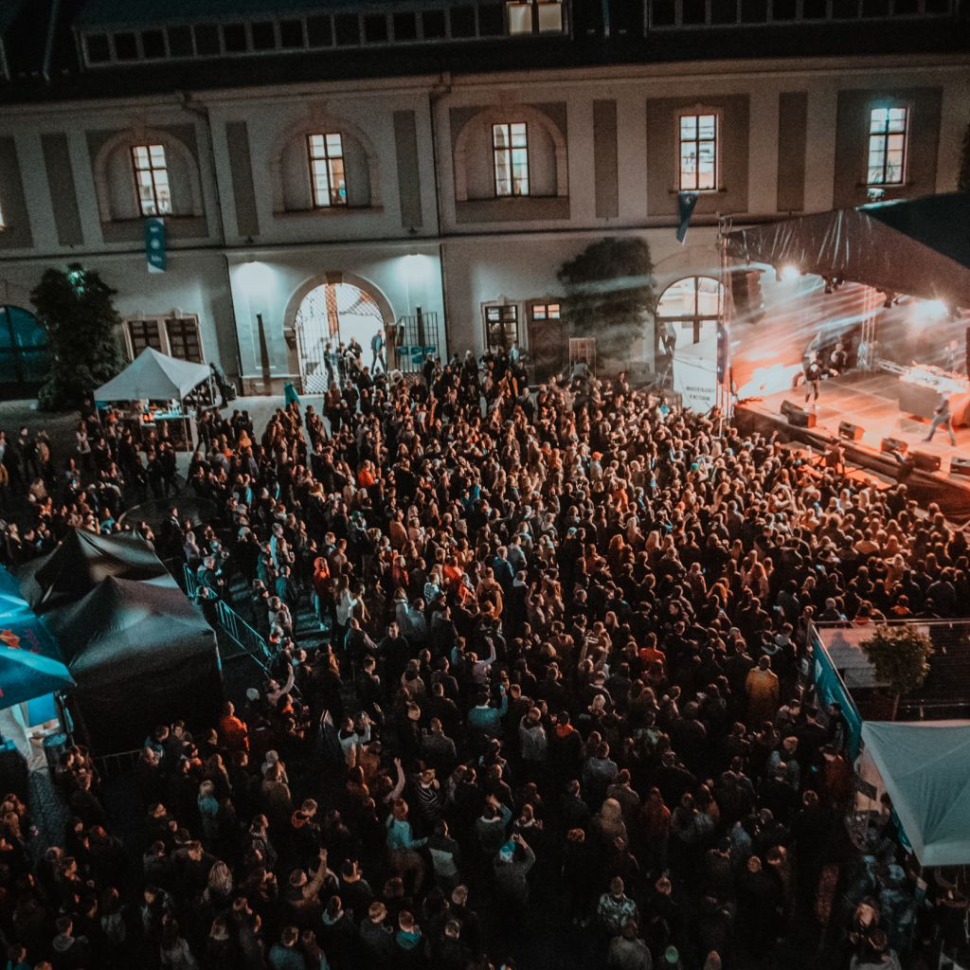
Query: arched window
column 324, row 164
column 685, row 306
column 146, row 172
column 24, row 357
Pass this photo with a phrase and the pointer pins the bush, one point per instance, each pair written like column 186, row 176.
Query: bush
column 900, row 656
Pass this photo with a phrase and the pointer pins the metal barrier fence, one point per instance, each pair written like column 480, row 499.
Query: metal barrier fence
column 945, row 694
column 247, row 639
column 122, row 761
column 243, row 635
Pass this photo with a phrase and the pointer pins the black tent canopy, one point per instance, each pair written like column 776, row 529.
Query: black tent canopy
column 141, row 654
column 920, row 247
column 82, row 561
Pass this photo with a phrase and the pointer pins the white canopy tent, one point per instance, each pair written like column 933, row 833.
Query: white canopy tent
column 152, row 376
column 925, row 768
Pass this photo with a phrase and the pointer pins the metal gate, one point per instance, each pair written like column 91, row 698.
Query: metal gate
column 416, row 338
column 333, row 313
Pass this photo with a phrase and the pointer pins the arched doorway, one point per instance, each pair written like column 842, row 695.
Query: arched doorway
column 688, row 316
column 24, row 353
column 330, row 315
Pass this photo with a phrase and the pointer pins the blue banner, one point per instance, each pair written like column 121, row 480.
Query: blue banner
column 685, row 209
column 155, row 245
column 830, row 687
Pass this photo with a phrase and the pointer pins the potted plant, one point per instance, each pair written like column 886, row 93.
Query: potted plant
column 900, row 656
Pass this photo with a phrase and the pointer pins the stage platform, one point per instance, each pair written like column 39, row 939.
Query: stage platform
column 869, row 400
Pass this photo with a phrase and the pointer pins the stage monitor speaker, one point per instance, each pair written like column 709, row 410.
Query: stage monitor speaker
column 888, row 445
column 800, row 418
column 787, row 407
column 851, row 431
column 926, row 461
column 960, row 466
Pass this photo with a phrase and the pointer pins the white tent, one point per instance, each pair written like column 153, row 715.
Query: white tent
column 925, row 768
column 153, row 376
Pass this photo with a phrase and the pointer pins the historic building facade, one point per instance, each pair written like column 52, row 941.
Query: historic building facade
column 327, row 173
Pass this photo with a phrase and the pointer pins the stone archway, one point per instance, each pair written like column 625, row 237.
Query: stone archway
column 332, row 308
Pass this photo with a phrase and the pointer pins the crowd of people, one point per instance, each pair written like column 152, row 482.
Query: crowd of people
column 552, row 708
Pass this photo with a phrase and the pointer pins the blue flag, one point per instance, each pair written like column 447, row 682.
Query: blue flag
column 155, row 245
column 685, row 209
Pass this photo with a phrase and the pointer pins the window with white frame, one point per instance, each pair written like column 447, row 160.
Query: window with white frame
column 151, row 179
column 510, row 156
column 519, row 16
column 176, row 336
column 697, row 137
column 501, row 326
column 550, row 16
column 887, row 146
column 545, row 311
column 327, row 175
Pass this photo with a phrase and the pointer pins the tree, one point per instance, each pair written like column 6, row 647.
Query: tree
column 609, row 290
column 900, row 656
column 76, row 309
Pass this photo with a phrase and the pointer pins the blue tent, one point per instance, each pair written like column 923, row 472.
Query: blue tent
column 12, row 604
column 25, row 675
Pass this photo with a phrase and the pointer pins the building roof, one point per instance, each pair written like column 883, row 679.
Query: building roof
column 102, row 13
column 587, row 48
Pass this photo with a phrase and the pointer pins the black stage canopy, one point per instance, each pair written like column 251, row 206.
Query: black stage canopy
column 919, row 247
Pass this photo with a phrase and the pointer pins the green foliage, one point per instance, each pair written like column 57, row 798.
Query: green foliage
column 609, row 290
column 900, row 656
column 76, row 309
column 963, row 179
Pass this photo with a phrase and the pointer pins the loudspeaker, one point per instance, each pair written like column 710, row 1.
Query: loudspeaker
column 851, row 431
column 787, row 407
column 889, row 445
column 800, row 418
column 960, row 466
column 925, row 461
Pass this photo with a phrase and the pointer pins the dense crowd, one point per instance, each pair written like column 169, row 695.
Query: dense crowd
column 557, row 703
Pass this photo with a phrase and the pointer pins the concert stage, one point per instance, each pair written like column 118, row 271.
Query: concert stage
column 870, row 401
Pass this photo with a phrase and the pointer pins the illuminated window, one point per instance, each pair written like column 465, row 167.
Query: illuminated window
column 501, row 326
column 550, row 17
column 510, row 154
column 3, row 222
column 151, row 179
column 327, row 170
column 519, row 17
column 887, row 146
column 698, row 152
column 545, row 311
column 687, row 305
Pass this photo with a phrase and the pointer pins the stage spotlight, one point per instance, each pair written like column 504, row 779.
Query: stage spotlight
column 931, row 310
column 953, row 314
column 891, row 298
column 789, row 273
column 829, row 285
column 875, row 194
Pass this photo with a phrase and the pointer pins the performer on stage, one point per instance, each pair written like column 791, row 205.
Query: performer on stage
column 813, row 374
column 942, row 419
column 838, row 359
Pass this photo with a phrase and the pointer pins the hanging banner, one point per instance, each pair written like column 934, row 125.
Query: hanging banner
column 695, row 380
column 155, row 245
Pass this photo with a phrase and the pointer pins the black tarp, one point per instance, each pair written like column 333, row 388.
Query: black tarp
column 919, row 247
column 80, row 562
column 141, row 654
